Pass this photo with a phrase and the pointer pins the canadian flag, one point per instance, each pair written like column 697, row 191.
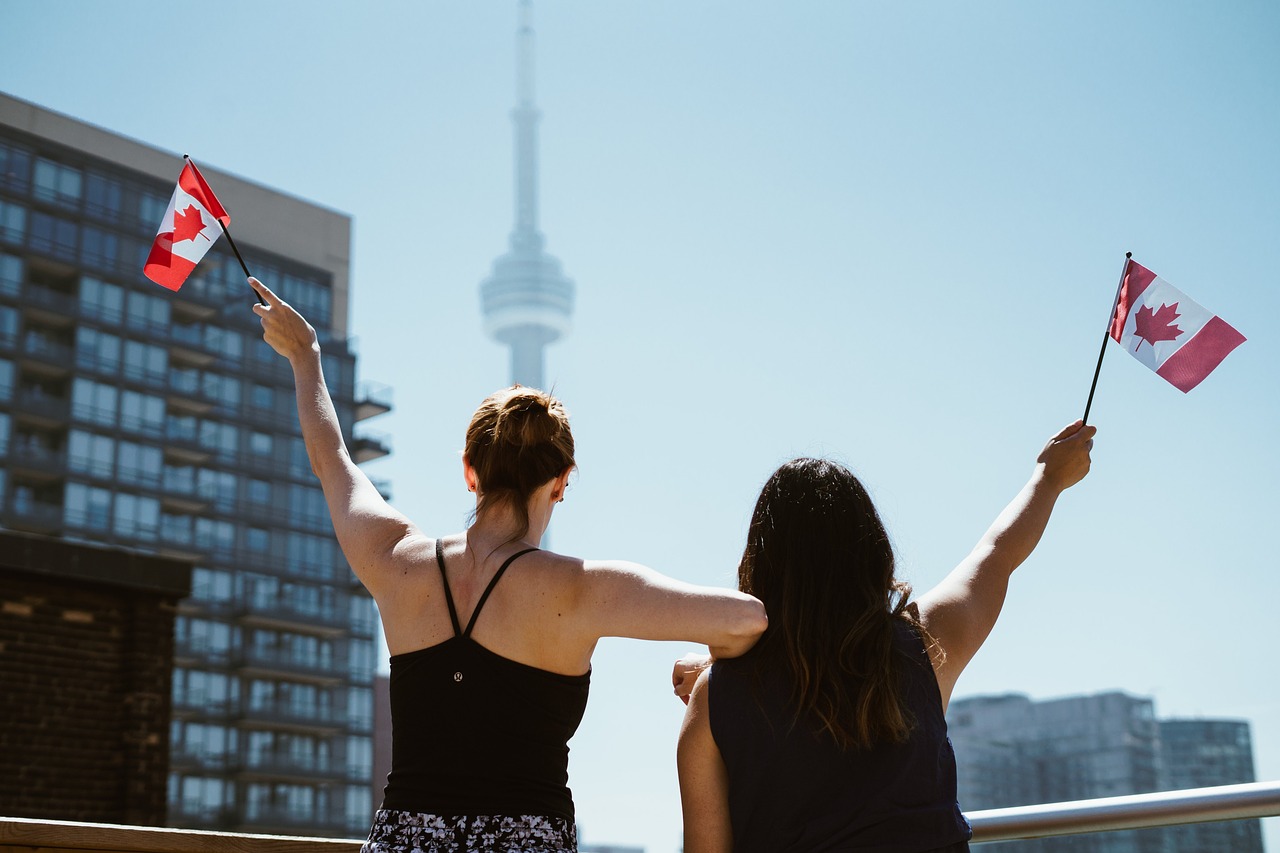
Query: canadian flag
column 1166, row 331
column 189, row 228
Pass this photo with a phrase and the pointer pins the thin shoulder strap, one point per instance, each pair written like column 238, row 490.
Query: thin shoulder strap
column 448, row 596
column 497, row 577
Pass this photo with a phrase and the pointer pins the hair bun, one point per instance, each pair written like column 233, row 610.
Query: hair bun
column 528, row 418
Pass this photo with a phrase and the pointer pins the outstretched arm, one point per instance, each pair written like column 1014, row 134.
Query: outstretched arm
column 368, row 528
column 629, row 600
column 961, row 611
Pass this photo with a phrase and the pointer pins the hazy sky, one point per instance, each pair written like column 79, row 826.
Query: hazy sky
column 885, row 232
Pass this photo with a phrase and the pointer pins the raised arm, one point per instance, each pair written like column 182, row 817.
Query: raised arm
column 368, row 528
column 628, row 600
column 961, row 611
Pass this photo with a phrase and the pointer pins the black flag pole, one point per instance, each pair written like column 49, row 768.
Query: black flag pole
column 230, row 239
column 1102, row 352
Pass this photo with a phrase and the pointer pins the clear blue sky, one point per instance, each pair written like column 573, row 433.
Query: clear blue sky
column 889, row 233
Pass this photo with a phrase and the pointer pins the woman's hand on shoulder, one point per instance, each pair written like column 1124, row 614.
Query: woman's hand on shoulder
column 685, row 673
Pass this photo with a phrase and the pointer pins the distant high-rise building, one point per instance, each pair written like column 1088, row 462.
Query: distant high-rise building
column 527, row 301
column 1201, row 754
column 1011, row 751
column 160, row 422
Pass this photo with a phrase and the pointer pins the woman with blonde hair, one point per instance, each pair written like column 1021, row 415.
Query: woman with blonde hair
column 830, row 733
column 490, row 637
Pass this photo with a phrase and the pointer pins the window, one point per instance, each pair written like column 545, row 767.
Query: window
column 360, row 664
column 99, row 248
column 176, row 528
column 147, row 312
column 224, row 389
column 10, row 274
column 222, row 438
column 262, row 397
column 360, row 707
column 306, row 504
column 210, row 584
column 87, row 506
column 15, row 168
column 260, row 443
column 359, row 801
column 8, row 325
column 13, row 222
column 101, row 196
column 257, row 539
column 140, row 464
column 145, row 362
column 224, row 342
column 97, row 350
column 90, row 454
column 137, row 516
column 57, row 183
column 94, row 402
column 53, row 236
column 152, row 208
column 101, row 300
column 215, row 535
column 217, row 486
column 260, row 492
column 4, row 445
column 142, row 413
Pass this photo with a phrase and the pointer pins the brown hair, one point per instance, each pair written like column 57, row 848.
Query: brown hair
column 820, row 559
column 517, row 441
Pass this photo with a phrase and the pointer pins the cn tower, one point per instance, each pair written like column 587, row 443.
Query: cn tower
column 527, row 301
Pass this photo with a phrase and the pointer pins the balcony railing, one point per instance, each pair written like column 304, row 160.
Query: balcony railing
column 1166, row 808
column 1136, row 811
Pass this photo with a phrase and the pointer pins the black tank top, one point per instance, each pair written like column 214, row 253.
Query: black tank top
column 475, row 733
column 791, row 790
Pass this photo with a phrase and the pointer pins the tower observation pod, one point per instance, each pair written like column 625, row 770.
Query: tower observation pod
column 527, row 301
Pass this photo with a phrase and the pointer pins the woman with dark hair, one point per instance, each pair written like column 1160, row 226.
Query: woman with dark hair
column 830, row 733
column 490, row 637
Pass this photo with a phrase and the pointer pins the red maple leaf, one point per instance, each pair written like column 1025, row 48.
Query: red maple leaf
column 1155, row 326
column 187, row 224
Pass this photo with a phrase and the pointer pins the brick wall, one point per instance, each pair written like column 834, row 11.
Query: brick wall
column 86, row 655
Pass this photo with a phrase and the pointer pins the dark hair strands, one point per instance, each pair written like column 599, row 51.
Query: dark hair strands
column 820, row 559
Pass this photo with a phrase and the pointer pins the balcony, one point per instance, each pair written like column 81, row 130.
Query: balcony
column 182, row 445
column 36, row 462
column 282, row 614
column 37, row 407
column 49, row 306
column 307, row 720
column 372, row 399
column 271, row 664
column 45, row 356
column 292, row 768
column 32, row 516
column 369, row 446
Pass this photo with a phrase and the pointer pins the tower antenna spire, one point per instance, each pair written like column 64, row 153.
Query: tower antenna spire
column 527, row 301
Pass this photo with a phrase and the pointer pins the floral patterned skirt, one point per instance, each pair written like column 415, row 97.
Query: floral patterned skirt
column 396, row 831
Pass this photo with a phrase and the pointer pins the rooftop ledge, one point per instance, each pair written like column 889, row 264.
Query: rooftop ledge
column 22, row 835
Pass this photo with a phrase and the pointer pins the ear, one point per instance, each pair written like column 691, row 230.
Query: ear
column 469, row 474
column 561, row 483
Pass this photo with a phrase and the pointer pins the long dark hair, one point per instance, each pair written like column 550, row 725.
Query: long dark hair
column 820, row 559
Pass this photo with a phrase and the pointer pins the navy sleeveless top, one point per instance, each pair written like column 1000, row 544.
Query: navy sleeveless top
column 475, row 733
column 791, row 788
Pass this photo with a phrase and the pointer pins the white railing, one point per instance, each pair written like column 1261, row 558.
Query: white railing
column 1136, row 811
